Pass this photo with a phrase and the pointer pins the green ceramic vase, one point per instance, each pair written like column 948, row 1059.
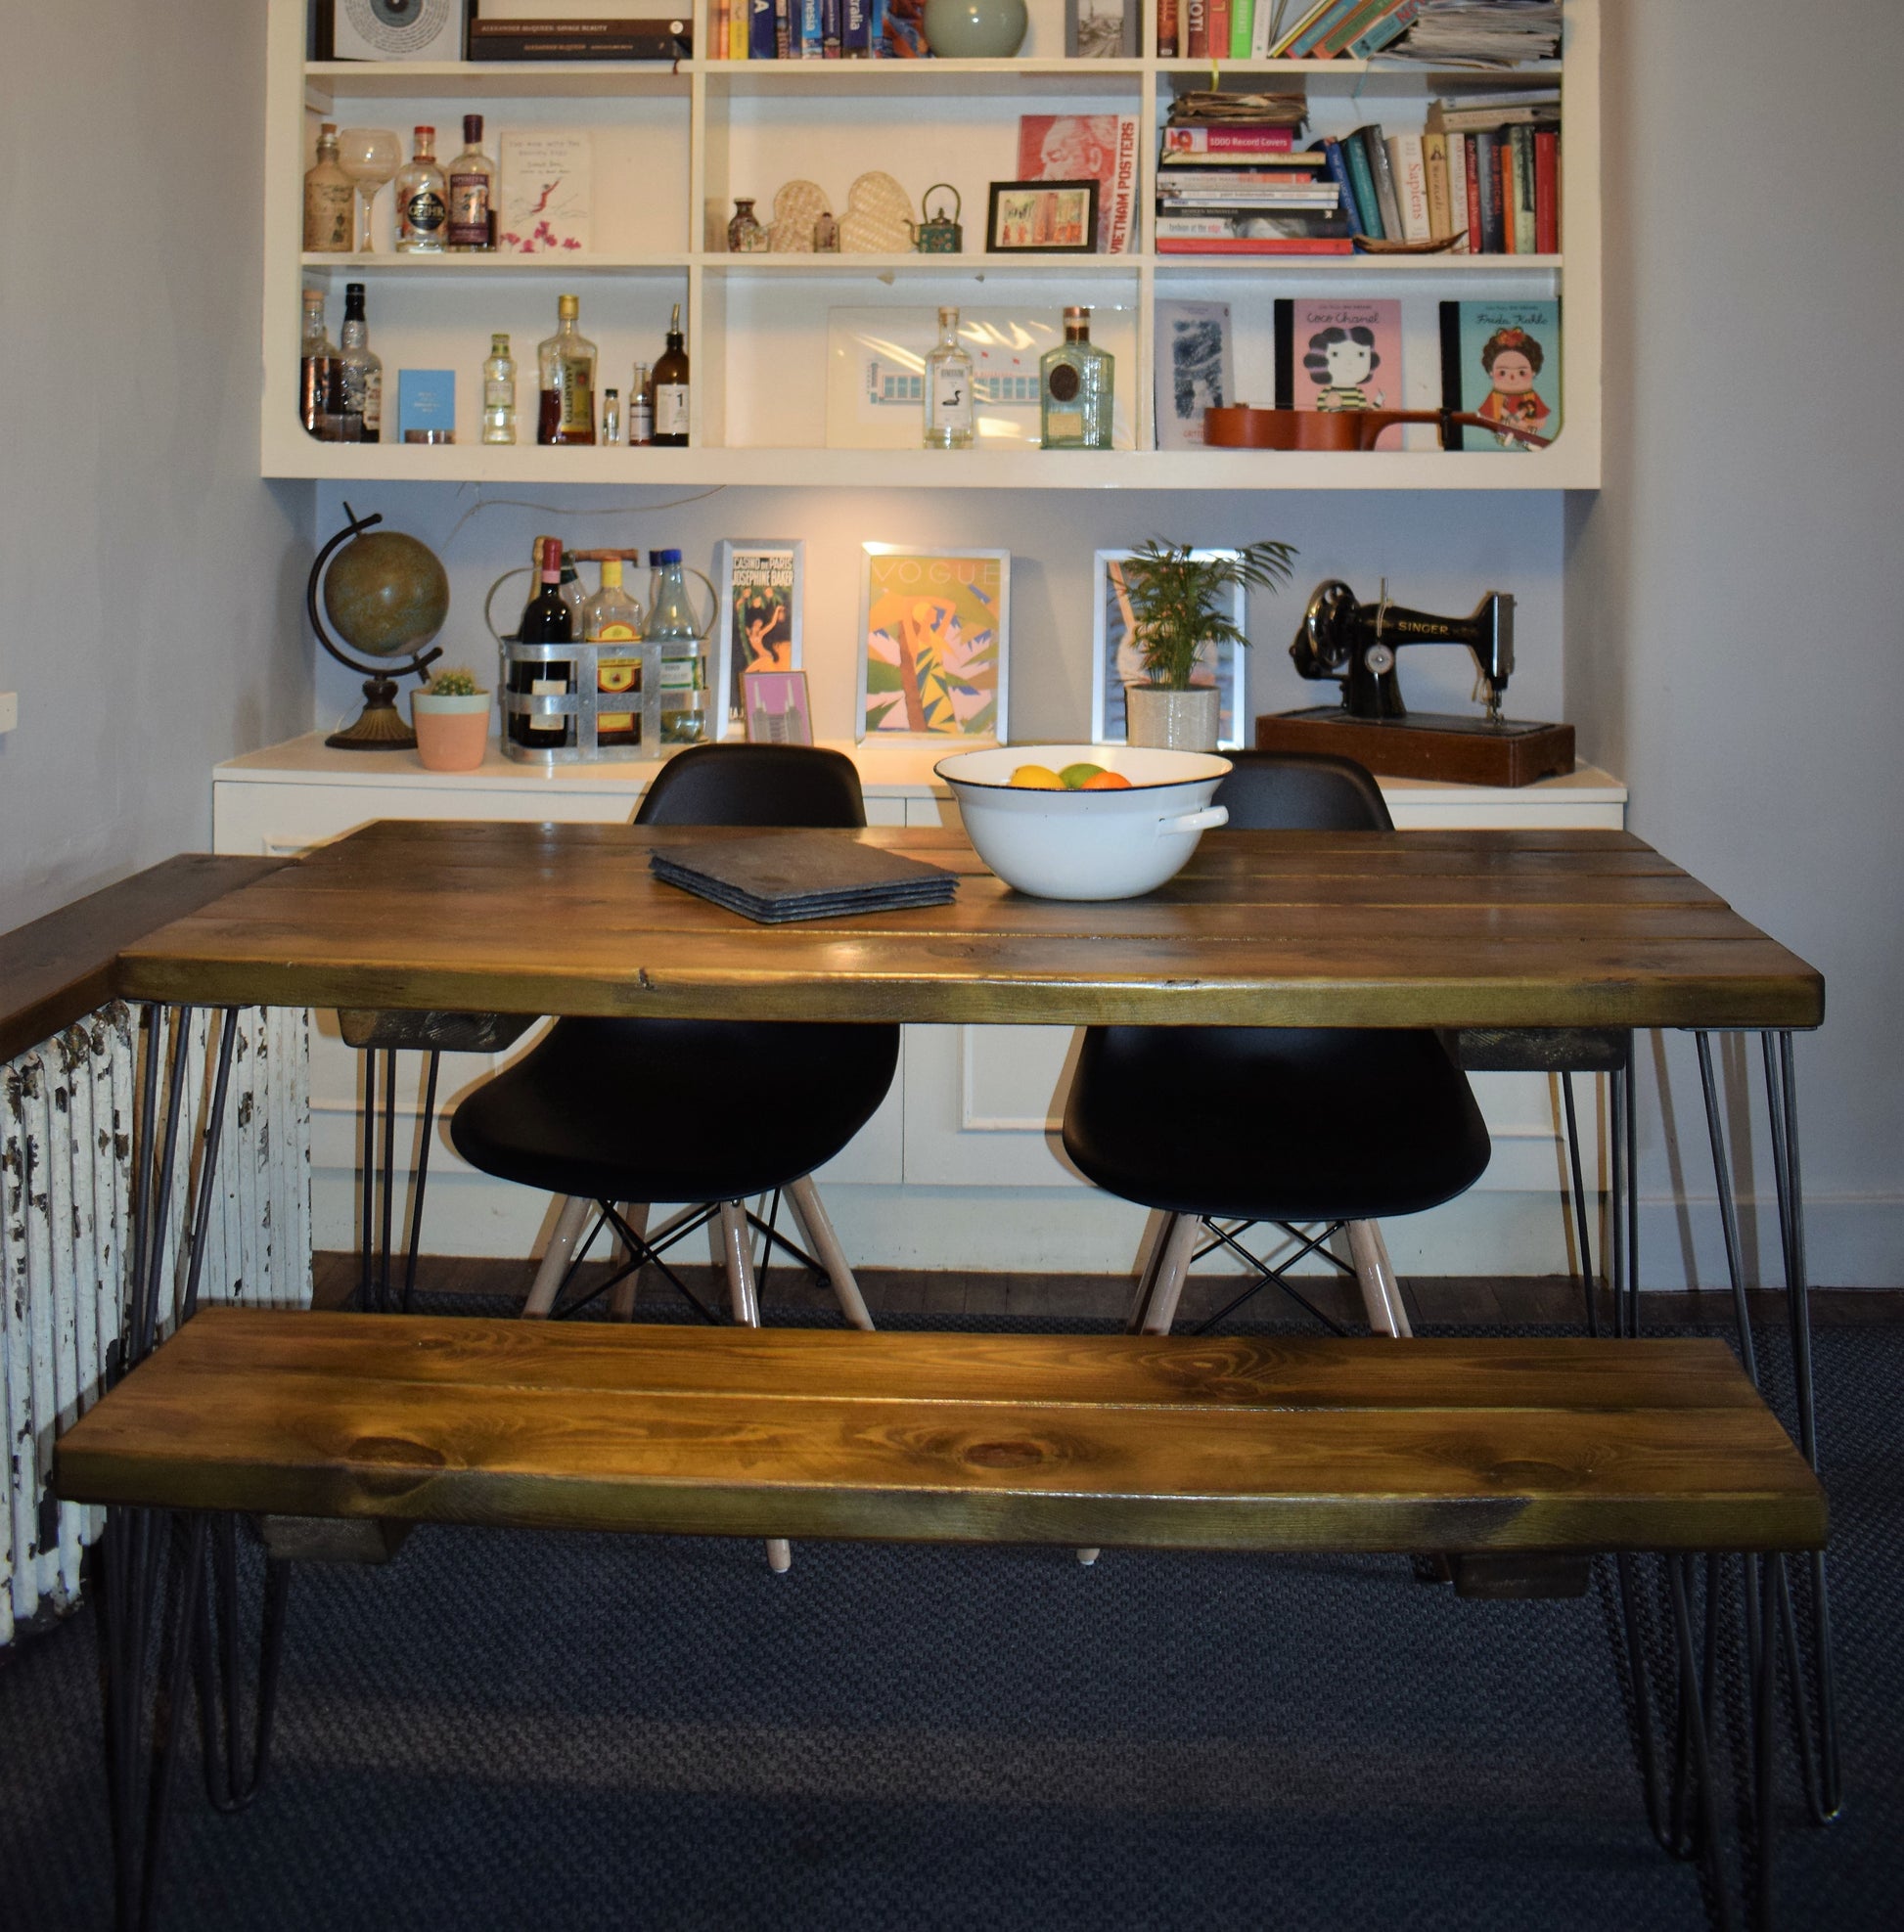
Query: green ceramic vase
column 974, row 30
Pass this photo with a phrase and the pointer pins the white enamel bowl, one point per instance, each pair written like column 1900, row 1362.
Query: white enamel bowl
column 1087, row 844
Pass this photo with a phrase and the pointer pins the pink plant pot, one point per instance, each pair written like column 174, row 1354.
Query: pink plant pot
column 452, row 733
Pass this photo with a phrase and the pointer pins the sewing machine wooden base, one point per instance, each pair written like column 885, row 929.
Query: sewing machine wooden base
column 1465, row 750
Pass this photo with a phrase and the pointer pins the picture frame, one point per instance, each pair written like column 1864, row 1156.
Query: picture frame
column 1114, row 663
column 934, row 629
column 1101, row 30
column 760, row 583
column 1196, row 368
column 1042, row 218
column 775, row 708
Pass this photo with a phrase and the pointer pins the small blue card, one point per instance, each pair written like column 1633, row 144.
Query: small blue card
column 426, row 399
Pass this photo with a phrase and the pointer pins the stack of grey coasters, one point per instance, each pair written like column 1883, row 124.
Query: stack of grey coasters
column 778, row 877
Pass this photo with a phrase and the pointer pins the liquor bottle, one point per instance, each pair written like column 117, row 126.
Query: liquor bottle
column 315, row 356
column 948, row 388
column 330, row 200
column 574, row 593
column 671, row 624
column 472, row 223
column 1074, row 385
column 499, row 393
column 422, row 199
column 363, row 368
column 546, row 619
column 612, row 616
column 610, row 416
column 671, row 389
column 565, row 370
column 640, row 407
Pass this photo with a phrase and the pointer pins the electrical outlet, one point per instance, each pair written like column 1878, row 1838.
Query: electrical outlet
column 9, row 710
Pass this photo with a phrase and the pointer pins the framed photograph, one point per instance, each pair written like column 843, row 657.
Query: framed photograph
column 1101, row 30
column 932, row 631
column 1043, row 218
column 1194, row 370
column 777, row 710
column 760, row 582
column 1116, row 662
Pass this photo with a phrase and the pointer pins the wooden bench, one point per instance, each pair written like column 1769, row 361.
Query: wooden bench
column 1190, row 1443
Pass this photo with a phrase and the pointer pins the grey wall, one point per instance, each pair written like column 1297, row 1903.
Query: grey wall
column 148, row 579
column 1735, row 594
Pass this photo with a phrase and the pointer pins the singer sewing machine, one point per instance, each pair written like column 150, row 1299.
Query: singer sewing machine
column 1356, row 644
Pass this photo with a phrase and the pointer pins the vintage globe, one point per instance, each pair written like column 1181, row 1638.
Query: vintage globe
column 385, row 594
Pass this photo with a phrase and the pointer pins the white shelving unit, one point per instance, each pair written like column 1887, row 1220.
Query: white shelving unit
column 675, row 144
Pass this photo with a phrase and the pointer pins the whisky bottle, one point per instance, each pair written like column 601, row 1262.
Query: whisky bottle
column 1074, row 387
column 422, row 199
column 362, row 368
column 948, row 388
column 315, row 355
column 671, row 389
column 499, row 393
column 613, row 616
column 566, row 375
column 330, row 201
column 472, row 223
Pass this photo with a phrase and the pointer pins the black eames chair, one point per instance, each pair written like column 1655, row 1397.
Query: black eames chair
column 1221, row 1127
column 619, row 1113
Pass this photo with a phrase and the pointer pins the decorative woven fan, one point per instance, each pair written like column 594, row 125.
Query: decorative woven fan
column 798, row 205
column 878, row 218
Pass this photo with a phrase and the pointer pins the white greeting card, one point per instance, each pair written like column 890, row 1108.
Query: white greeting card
column 547, row 188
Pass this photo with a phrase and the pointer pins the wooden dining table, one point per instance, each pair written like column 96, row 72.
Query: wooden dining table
column 1531, row 931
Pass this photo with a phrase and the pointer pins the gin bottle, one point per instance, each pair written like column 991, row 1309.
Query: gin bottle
column 422, row 201
column 472, row 223
column 1074, row 381
column 330, row 201
column 948, row 388
column 499, row 393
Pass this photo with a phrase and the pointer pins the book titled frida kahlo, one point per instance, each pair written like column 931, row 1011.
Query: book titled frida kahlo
column 1502, row 361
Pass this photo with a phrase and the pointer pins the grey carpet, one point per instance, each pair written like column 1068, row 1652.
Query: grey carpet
column 513, row 1730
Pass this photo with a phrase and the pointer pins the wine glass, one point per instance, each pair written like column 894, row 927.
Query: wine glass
column 370, row 156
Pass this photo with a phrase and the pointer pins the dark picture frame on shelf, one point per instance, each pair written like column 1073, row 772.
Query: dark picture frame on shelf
column 1042, row 218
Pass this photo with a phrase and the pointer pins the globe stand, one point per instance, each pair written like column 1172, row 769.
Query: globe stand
column 380, row 726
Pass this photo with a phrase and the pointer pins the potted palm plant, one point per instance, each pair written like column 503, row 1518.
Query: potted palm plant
column 1177, row 606
column 451, row 718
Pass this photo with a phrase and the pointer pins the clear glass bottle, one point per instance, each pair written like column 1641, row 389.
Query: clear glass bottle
column 565, row 375
column 499, row 393
column 672, row 623
column 1074, row 388
column 745, row 235
column 422, row 199
column 948, row 388
column 640, row 407
column 671, row 389
column 316, row 353
column 610, row 416
column 472, row 176
column 330, row 200
column 574, row 593
column 362, row 370
column 612, row 616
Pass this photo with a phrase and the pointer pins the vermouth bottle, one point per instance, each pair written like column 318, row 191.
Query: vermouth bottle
column 1074, row 387
column 471, row 222
column 671, row 389
column 422, row 199
column 565, row 372
column 948, row 388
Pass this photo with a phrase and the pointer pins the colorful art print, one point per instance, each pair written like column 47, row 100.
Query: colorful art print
column 1043, row 217
column 776, row 708
column 758, row 580
column 896, row 29
column 1116, row 662
column 544, row 200
column 1194, row 370
column 932, row 632
column 1087, row 147
column 1349, row 356
column 1510, row 364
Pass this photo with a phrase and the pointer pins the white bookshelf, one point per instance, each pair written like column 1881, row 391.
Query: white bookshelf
column 675, row 144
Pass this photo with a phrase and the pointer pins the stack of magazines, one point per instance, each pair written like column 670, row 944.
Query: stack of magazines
column 783, row 876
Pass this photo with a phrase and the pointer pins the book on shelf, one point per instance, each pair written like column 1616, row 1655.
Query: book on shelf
column 1253, row 231
column 1547, row 190
column 1382, row 166
column 1252, row 245
column 1309, row 30
column 1388, row 26
column 1221, row 145
column 1502, row 360
column 1194, row 370
column 1356, row 157
column 618, row 39
column 1409, row 168
column 1100, row 147
column 1243, row 27
column 1166, row 30
column 1196, row 28
column 1338, row 355
column 1363, row 19
column 1216, row 29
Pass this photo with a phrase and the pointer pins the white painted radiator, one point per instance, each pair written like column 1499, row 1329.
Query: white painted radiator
column 69, row 1109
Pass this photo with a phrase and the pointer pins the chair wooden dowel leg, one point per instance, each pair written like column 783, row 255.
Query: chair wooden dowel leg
column 571, row 1226
column 780, row 1555
column 804, row 1197
column 1157, row 1305
column 1374, row 1276
column 621, row 1299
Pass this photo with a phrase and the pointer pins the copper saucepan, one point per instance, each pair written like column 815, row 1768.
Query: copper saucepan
column 1240, row 427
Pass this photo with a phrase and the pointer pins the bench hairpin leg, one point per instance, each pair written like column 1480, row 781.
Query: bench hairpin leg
column 420, row 1179
column 230, row 1785
column 1581, row 1218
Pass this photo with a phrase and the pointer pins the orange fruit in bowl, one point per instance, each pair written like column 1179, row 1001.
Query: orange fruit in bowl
column 1105, row 781
column 1037, row 777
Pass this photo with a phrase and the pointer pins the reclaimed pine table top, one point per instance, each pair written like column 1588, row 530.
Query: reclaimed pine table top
column 1270, row 928
column 1232, row 1442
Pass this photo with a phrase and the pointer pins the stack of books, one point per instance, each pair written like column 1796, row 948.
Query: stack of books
column 1482, row 32
column 1229, row 190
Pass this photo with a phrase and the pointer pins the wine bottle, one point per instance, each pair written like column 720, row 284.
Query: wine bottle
column 546, row 619
column 671, row 389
